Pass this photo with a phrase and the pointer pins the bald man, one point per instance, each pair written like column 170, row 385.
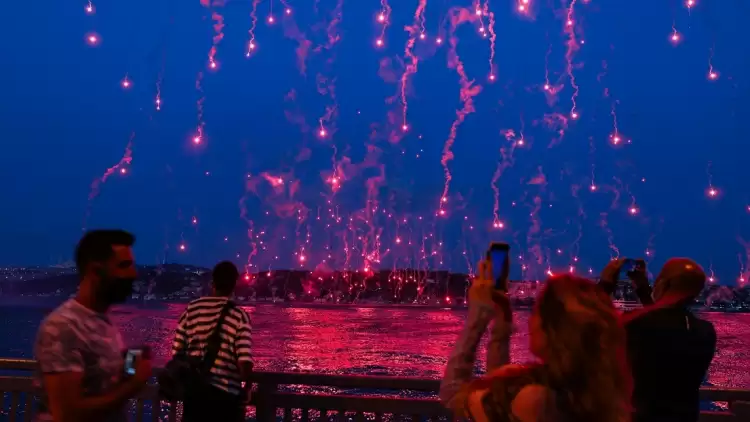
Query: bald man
column 669, row 348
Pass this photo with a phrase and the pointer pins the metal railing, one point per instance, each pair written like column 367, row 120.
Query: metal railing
column 314, row 397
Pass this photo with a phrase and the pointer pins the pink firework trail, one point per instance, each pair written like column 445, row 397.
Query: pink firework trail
column 250, row 230
column 157, row 100
column 198, row 137
column 218, row 31
column 507, row 161
column 547, row 87
column 614, row 138
column 610, row 236
column 535, row 234
column 467, row 93
column 493, row 37
column 415, row 30
column 384, row 17
column 712, row 73
column 572, row 47
column 326, row 85
column 742, row 279
column 121, row 168
column 292, row 31
column 251, row 45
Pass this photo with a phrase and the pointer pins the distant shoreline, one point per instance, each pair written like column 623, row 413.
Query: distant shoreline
column 50, row 302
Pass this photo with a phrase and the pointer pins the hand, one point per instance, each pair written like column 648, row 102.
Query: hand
column 611, row 271
column 639, row 277
column 143, row 369
column 483, row 294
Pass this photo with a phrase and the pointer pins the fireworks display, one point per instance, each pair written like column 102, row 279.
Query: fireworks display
column 359, row 135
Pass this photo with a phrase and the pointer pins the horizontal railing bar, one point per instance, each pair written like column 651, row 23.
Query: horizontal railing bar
column 425, row 407
column 724, row 394
column 711, row 416
column 22, row 382
column 347, row 381
column 17, row 364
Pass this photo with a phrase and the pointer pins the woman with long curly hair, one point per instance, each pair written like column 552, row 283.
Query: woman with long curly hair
column 581, row 374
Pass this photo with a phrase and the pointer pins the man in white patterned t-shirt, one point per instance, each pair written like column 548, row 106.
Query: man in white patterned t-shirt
column 224, row 399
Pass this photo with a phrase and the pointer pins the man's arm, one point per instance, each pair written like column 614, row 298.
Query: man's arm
column 67, row 403
column 243, row 347
column 58, row 353
column 180, row 342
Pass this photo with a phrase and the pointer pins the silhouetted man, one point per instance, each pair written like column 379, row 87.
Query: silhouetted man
column 223, row 396
column 79, row 351
column 669, row 348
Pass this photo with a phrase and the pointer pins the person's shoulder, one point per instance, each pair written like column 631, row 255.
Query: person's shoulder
column 534, row 402
column 241, row 313
column 64, row 317
column 60, row 329
column 652, row 317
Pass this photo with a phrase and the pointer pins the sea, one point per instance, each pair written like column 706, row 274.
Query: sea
column 374, row 340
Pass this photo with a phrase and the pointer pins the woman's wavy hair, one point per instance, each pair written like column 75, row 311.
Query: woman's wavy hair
column 585, row 356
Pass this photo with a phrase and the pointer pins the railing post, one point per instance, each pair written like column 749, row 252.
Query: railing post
column 265, row 405
column 741, row 410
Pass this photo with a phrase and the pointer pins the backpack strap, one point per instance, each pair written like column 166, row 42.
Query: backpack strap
column 214, row 340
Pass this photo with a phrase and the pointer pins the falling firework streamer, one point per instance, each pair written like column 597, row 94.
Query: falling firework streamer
column 493, row 37
column 121, row 167
column 198, row 137
column 467, row 93
column 326, row 85
column 253, row 24
column 385, row 20
column 218, row 26
column 506, row 161
column 572, row 46
column 415, row 30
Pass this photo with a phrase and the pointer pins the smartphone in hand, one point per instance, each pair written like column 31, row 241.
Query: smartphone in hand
column 631, row 267
column 498, row 255
column 131, row 356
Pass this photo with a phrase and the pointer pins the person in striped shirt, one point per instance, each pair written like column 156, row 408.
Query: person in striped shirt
column 229, row 381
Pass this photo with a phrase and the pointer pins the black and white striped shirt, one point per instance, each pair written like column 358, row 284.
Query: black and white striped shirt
column 196, row 325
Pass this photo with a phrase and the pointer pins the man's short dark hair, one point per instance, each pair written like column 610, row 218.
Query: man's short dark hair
column 225, row 277
column 96, row 246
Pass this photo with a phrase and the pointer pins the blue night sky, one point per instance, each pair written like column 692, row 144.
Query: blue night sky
column 65, row 118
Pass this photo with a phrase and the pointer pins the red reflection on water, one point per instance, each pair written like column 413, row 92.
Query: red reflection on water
column 388, row 341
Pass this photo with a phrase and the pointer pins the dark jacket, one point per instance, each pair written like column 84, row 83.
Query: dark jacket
column 669, row 350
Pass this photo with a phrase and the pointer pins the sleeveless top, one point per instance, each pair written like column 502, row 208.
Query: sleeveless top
column 497, row 401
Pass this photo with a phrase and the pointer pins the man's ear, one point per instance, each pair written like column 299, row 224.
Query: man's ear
column 99, row 270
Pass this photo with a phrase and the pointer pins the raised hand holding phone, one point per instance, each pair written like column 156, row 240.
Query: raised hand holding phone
column 638, row 274
column 138, row 363
column 498, row 254
column 489, row 288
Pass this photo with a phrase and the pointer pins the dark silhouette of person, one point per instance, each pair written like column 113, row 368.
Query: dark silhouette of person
column 669, row 348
